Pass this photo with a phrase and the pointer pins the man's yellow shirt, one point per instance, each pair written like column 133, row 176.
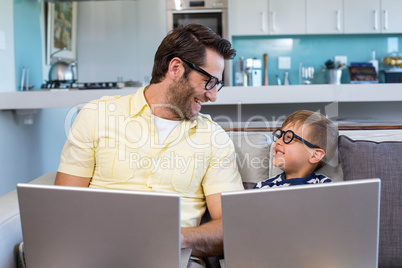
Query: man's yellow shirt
column 114, row 141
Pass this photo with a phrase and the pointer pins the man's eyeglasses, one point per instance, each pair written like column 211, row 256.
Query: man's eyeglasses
column 212, row 82
column 289, row 135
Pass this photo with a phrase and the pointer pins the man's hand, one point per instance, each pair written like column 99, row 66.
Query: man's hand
column 70, row 180
column 207, row 239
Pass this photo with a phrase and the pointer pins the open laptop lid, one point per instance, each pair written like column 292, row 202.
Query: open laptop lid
column 84, row 227
column 322, row 225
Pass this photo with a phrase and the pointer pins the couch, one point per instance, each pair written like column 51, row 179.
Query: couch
column 10, row 224
column 361, row 154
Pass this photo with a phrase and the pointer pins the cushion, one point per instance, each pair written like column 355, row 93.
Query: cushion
column 252, row 153
column 367, row 159
column 374, row 135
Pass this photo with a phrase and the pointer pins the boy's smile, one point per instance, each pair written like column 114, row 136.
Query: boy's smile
column 293, row 157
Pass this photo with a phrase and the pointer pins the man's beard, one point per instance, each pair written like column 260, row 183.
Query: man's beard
column 181, row 96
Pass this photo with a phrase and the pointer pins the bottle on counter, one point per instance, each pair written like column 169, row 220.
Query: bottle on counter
column 286, row 79
column 373, row 61
column 278, row 80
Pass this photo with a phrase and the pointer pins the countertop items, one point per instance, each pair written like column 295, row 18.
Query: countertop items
column 266, row 81
column 334, row 72
column 395, row 59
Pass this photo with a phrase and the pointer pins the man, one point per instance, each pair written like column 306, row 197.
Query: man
column 156, row 139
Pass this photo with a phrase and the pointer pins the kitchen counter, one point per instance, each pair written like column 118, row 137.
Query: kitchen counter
column 55, row 98
column 311, row 94
column 42, row 99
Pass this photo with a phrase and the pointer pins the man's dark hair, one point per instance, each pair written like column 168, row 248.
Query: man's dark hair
column 188, row 42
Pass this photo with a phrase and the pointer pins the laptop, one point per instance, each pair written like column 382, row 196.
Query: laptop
column 79, row 227
column 321, row 225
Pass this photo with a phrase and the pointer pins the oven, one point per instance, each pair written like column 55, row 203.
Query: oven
column 211, row 13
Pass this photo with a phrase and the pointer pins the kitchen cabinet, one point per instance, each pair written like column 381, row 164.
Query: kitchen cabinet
column 391, row 16
column 287, row 17
column 362, row 16
column 248, row 19
column 324, row 17
column 263, row 17
column 373, row 16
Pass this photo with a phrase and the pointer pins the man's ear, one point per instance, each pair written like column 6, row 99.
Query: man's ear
column 175, row 69
column 316, row 156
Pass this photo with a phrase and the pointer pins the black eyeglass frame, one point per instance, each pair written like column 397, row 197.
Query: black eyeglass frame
column 215, row 81
column 279, row 133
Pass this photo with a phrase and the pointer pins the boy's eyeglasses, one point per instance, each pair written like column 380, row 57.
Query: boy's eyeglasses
column 289, row 135
column 212, row 82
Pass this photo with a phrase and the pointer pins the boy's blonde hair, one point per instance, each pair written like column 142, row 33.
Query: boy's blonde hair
column 321, row 131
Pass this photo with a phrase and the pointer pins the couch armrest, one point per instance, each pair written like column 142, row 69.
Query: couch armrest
column 46, row 179
column 10, row 223
column 10, row 229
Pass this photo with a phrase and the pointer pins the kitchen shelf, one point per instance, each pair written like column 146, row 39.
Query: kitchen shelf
column 60, row 98
column 310, row 94
column 42, row 99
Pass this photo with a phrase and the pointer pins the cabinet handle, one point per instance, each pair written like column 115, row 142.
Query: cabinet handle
column 263, row 22
column 375, row 20
column 338, row 20
column 385, row 19
column 272, row 21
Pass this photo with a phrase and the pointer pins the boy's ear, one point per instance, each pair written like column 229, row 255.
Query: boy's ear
column 317, row 155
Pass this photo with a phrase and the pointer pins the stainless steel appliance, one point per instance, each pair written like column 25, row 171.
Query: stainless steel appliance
column 211, row 13
column 62, row 71
column 91, row 85
column 248, row 72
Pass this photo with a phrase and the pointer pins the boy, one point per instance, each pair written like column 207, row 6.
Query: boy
column 305, row 142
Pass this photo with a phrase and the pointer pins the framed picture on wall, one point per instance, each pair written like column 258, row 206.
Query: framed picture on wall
column 61, row 31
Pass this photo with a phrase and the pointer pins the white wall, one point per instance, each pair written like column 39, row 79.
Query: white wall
column 7, row 57
column 118, row 38
column 19, row 161
column 151, row 30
